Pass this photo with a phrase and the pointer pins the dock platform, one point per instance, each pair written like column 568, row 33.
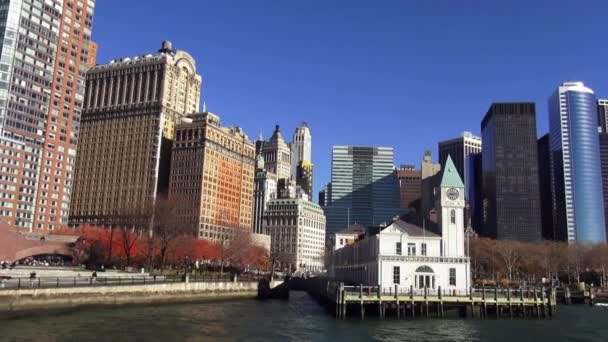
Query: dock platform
column 474, row 302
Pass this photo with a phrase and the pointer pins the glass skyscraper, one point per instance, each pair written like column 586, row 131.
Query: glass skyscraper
column 575, row 159
column 364, row 188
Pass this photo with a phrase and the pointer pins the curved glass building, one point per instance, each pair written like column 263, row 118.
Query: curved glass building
column 576, row 168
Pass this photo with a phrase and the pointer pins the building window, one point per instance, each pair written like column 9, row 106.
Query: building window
column 423, row 249
column 341, row 242
column 398, row 248
column 453, row 216
column 411, row 249
column 396, row 274
column 452, row 277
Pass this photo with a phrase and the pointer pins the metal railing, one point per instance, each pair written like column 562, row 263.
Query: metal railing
column 63, row 282
column 488, row 293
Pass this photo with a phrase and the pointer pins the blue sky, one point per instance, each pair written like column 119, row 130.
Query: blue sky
column 385, row 73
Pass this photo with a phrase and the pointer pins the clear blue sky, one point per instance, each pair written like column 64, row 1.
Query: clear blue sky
column 386, row 73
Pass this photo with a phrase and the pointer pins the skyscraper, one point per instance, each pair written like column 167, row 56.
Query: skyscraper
column 604, row 164
column 45, row 53
column 409, row 186
column 301, row 149
column 544, row 184
column 276, row 154
column 212, row 173
column 131, row 108
column 511, row 200
column 474, row 212
column 459, row 148
column 264, row 189
column 602, row 115
column 304, row 177
column 576, row 176
column 429, row 179
column 364, row 188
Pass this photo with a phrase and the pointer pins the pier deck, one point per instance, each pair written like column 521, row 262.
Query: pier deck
column 481, row 303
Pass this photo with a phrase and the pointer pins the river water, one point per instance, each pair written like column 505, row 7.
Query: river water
column 299, row 319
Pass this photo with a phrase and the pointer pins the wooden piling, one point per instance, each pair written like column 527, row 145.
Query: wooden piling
column 521, row 298
column 412, row 301
column 510, row 305
column 440, row 304
column 397, row 301
column 485, row 302
column 380, row 311
column 496, row 301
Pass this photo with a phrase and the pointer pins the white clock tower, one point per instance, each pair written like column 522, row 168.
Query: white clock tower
column 451, row 209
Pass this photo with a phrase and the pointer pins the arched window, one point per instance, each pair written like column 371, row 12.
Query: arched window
column 453, row 216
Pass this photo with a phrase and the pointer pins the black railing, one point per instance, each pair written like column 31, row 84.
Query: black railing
column 62, row 282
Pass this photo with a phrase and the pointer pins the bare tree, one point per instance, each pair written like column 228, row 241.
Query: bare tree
column 168, row 223
column 509, row 253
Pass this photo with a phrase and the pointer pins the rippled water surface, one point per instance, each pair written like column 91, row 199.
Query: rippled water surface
column 299, row 319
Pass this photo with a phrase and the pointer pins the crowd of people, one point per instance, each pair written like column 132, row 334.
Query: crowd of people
column 42, row 261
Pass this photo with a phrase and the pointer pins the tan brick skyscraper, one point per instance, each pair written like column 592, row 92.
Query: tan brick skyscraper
column 212, row 170
column 131, row 108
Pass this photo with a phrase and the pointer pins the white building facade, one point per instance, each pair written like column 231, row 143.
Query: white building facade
column 405, row 255
column 297, row 231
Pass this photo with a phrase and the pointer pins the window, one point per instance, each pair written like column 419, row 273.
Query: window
column 453, row 216
column 452, row 277
column 423, row 249
column 396, row 274
column 411, row 249
column 398, row 248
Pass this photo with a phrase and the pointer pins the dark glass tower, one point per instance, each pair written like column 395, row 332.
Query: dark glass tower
column 578, row 201
column 511, row 200
column 544, row 182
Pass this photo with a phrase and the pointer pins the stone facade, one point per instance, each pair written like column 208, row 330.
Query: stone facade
column 131, row 109
column 297, row 231
column 212, row 170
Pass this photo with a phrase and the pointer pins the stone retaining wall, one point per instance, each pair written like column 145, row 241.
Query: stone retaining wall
column 35, row 299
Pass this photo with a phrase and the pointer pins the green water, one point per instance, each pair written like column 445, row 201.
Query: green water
column 299, row 319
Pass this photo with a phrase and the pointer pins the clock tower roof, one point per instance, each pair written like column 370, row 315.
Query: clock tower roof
column 450, row 177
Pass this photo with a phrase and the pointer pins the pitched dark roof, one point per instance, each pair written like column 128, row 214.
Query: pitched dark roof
column 353, row 229
column 412, row 229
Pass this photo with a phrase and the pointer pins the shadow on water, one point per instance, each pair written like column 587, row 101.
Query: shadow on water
column 298, row 319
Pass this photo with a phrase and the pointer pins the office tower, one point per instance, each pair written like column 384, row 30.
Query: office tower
column 212, row 175
column 364, row 188
column 301, row 149
column 409, row 186
column 575, row 159
column 131, row 108
column 297, row 233
column 264, row 189
column 604, row 164
column 602, row 115
column 544, row 184
column 474, row 197
column 459, row 148
column 429, row 180
column 45, row 53
column 304, row 176
column 322, row 195
column 276, row 154
column 511, row 199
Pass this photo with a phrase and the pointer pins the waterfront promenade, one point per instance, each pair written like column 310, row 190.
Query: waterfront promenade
column 20, row 294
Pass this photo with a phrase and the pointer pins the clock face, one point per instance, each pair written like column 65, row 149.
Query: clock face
column 452, row 194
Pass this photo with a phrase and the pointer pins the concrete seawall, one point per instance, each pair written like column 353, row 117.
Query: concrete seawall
column 34, row 299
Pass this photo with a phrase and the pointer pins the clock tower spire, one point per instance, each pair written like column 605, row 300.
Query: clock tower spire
column 451, row 210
